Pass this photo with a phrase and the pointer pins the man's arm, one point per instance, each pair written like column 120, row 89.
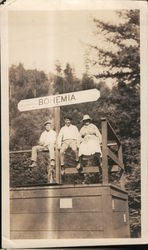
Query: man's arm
column 41, row 140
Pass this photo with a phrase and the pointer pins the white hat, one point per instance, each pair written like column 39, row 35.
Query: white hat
column 86, row 117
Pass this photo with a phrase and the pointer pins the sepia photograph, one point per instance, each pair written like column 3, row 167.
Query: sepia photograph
column 74, row 101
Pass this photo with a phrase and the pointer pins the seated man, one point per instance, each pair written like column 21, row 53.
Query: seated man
column 68, row 138
column 46, row 142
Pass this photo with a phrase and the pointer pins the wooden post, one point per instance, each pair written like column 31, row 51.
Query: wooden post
column 57, row 127
column 104, row 152
column 120, row 156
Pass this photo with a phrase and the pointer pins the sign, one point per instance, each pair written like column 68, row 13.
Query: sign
column 65, row 203
column 59, row 100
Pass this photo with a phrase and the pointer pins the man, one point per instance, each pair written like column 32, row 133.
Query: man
column 46, row 142
column 68, row 138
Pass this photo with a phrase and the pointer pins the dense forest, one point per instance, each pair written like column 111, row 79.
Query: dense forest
column 119, row 104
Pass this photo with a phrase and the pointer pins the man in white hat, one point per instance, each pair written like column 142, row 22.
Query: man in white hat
column 46, row 142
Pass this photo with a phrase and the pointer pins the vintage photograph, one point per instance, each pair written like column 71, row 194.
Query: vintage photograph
column 74, row 121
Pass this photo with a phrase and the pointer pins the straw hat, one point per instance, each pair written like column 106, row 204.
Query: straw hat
column 86, row 117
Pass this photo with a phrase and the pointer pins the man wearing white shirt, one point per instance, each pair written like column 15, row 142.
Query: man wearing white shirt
column 68, row 138
column 46, row 142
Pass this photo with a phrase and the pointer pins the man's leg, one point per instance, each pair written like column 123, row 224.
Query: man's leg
column 51, row 148
column 62, row 156
column 73, row 146
column 35, row 150
column 64, row 147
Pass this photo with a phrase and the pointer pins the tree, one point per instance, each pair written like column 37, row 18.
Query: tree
column 25, row 127
column 120, row 57
column 119, row 60
column 87, row 82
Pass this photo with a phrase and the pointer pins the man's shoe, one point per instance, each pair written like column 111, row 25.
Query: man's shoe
column 34, row 164
column 52, row 163
column 78, row 167
column 62, row 170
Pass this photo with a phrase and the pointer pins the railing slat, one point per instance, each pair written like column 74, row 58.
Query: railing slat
column 104, row 153
column 73, row 170
column 114, row 134
column 20, row 151
column 115, row 158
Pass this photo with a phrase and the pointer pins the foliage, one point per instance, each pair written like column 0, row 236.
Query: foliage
column 120, row 56
column 25, row 128
column 22, row 175
column 119, row 60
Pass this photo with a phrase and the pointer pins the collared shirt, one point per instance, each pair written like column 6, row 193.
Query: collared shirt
column 47, row 137
column 68, row 133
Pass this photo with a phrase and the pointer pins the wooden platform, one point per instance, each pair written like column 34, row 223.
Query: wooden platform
column 85, row 211
column 69, row 211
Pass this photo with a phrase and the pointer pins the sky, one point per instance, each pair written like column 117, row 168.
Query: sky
column 40, row 38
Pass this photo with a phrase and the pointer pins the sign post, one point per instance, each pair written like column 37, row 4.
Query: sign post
column 57, row 128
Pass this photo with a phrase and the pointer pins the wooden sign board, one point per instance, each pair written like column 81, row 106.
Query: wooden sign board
column 59, row 100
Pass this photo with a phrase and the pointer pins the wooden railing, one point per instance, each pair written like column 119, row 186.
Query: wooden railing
column 109, row 140
column 112, row 159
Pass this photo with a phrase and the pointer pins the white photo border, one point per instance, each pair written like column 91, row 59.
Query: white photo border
column 71, row 5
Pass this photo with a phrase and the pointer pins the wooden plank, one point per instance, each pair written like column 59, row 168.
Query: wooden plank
column 25, row 151
column 57, row 126
column 58, row 100
column 120, row 222
column 20, row 151
column 118, row 190
column 115, row 158
column 115, row 168
column 44, row 205
column 122, row 178
column 57, row 221
column 83, row 234
column 104, row 152
column 107, row 216
column 61, row 191
column 113, row 133
column 85, row 170
column 65, row 191
column 128, row 221
column 109, row 144
column 119, row 195
column 119, row 205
